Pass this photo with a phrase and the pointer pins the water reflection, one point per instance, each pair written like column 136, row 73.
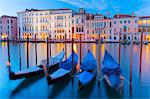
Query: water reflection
column 140, row 87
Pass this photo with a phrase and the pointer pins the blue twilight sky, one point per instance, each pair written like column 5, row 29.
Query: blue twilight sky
column 139, row 7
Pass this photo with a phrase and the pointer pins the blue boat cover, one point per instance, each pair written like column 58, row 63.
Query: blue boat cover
column 114, row 81
column 110, row 65
column 89, row 62
column 59, row 73
column 109, row 62
column 85, row 77
column 67, row 64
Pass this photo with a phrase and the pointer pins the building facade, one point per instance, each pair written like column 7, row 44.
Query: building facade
column 8, row 27
column 144, row 26
column 98, row 24
column 123, row 27
column 79, row 25
column 55, row 23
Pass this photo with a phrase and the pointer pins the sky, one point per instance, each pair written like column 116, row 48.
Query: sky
column 139, row 7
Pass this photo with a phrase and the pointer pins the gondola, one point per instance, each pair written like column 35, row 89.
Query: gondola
column 88, row 70
column 36, row 70
column 112, row 72
column 128, row 42
column 64, row 71
column 145, row 42
column 136, row 42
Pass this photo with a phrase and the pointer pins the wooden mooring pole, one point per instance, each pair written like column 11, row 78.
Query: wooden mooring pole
column 141, row 52
column 47, row 53
column 80, row 51
column 27, row 52
column 99, row 60
column 131, row 65
column 119, row 48
column 35, row 50
column 50, row 45
column 65, row 47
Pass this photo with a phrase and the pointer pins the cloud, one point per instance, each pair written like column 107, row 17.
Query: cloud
column 144, row 10
column 89, row 4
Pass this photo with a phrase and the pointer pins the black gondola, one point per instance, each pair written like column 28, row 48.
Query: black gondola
column 36, row 70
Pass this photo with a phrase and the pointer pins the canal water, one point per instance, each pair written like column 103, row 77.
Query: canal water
column 37, row 87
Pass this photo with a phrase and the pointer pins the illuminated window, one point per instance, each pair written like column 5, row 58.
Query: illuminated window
column 148, row 22
column 129, row 30
column 140, row 22
column 144, row 21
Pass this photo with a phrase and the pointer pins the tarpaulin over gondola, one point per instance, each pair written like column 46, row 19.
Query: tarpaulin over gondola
column 110, row 65
column 89, row 62
column 67, row 64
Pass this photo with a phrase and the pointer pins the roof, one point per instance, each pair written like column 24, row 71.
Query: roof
column 30, row 10
column 8, row 16
column 142, row 17
column 123, row 16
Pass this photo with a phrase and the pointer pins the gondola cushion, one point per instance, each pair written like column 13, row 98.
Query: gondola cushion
column 85, row 77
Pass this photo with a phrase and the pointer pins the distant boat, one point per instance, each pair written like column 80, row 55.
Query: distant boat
column 36, row 70
column 64, row 70
column 128, row 42
column 136, row 42
column 112, row 72
column 125, row 42
column 88, row 70
column 145, row 42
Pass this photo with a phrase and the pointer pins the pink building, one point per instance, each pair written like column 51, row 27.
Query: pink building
column 8, row 27
column 125, row 25
column 98, row 24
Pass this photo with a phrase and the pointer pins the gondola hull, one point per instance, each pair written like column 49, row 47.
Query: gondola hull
column 64, row 71
column 114, row 81
column 58, row 78
column 40, row 71
column 85, row 78
column 37, row 70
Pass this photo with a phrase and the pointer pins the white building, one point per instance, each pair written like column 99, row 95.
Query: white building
column 44, row 23
column 79, row 24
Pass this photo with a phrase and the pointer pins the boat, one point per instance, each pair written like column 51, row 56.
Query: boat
column 145, row 42
column 64, row 71
column 136, row 42
column 128, row 42
column 36, row 70
column 112, row 72
column 88, row 70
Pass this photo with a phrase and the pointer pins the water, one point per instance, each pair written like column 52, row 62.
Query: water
column 37, row 87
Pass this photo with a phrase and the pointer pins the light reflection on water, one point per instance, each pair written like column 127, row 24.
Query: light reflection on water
column 39, row 88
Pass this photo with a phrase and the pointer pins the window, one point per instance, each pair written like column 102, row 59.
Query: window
column 77, row 21
column 129, row 30
column 114, row 22
column 140, row 22
column 125, row 21
column 135, row 21
column 128, row 38
column 120, row 22
column 148, row 22
column 129, row 21
column 11, row 21
column 115, row 38
column 115, row 30
column 110, row 37
column 144, row 21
